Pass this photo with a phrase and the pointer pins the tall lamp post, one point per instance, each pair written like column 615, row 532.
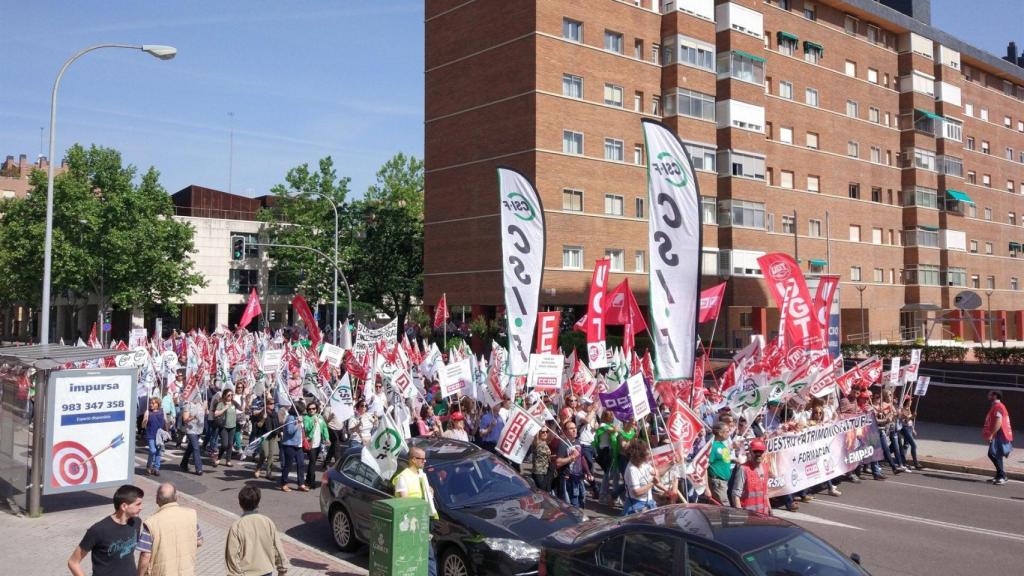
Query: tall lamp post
column 988, row 317
column 861, row 289
column 161, row 52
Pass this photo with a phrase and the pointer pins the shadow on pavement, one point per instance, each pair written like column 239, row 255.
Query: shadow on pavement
column 314, row 531
column 73, row 500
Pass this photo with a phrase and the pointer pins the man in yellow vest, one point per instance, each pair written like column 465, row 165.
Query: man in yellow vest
column 170, row 538
column 412, row 483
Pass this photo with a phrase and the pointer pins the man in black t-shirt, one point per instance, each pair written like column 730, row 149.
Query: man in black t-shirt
column 112, row 541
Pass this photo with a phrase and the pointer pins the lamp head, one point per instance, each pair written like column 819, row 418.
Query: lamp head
column 161, row 52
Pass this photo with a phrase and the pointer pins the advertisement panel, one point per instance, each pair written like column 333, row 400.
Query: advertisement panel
column 814, row 455
column 90, row 433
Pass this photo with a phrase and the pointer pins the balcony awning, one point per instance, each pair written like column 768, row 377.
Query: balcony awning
column 748, row 55
column 1015, row 246
column 928, row 228
column 958, row 195
column 931, row 115
column 817, row 262
column 787, row 36
column 814, row 46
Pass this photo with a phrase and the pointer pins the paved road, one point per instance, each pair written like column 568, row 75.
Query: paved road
column 926, row 523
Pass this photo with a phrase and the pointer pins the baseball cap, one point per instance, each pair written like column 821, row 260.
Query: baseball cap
column 458, row 417
column 533, row 397
column 757, row 445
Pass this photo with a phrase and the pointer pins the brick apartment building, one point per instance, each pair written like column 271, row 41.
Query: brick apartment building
column 852, row 135
column 14, row 175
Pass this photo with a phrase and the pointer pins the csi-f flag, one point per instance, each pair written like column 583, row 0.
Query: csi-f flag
column 522, row 254
column 675, row 242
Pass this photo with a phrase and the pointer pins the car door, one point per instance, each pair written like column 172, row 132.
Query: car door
column 368, row 487
column 630, row 552
column 703, row 561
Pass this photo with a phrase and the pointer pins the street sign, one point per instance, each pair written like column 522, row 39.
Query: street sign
column 967, row 300
column 106, row 326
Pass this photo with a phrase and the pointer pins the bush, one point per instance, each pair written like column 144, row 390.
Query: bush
column 928, row 353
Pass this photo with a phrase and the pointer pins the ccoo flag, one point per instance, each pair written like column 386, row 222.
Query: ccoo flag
column 522, row 252
column 675, row 244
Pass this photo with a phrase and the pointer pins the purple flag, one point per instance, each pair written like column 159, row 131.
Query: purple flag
column 617, row 401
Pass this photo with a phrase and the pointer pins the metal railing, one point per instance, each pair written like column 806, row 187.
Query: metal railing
column 974, row 379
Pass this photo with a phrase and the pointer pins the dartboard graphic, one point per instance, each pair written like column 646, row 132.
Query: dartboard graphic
column 72, row 465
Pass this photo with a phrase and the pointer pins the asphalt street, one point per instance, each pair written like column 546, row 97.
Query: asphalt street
column 925, row 523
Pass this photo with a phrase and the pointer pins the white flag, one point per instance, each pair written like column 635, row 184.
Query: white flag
column 341, row 400
column 517, row 436
column 522, row 252
column 675, row 249
column 385, row 446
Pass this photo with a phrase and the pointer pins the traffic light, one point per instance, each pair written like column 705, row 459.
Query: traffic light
column 237, row 248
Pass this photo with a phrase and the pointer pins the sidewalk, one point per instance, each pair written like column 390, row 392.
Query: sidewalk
column 961, row 449
column 45, row 543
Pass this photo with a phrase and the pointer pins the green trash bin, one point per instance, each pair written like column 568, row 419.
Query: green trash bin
column 399, row 536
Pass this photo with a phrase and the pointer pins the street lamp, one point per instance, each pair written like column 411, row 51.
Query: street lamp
column 861, row 289
column 334, row 314
column 988, row 317
column 156, row 50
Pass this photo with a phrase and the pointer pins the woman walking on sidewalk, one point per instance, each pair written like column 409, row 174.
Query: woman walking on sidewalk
column 226, row 416
column 154, row 422
column 907, row 432
column 316, row 431
column 999, row 435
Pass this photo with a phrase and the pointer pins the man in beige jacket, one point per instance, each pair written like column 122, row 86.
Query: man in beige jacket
column 170, row 538
column 253, row 546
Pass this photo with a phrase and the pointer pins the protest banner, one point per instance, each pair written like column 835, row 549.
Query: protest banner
column 674, row 240
column 456, row 377
column 90, row 435
column 517, row 436
column 789, row 288
column 367, row 338
column 596, row 348
column 522, row 251
column 271, row 361
column 545, row 373
column 332, row 355
column 819, row 453
column 547, row 331
column 638, row 396
column 921, row 388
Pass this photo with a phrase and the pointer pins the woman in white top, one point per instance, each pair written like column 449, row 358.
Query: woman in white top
column 641, row 479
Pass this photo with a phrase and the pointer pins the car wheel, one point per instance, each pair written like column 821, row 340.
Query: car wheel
column 453, row 563
column 341, row 530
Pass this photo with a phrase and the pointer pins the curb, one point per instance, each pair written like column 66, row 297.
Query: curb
column 968, row 469
column 348, row 566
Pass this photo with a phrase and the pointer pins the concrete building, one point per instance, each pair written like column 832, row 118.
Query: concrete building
column 850, row 134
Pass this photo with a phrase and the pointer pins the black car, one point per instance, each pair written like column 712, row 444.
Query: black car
column 692, row 540
column 491, row 521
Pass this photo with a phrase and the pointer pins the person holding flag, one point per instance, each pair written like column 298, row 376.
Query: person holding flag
column 266, row 425
column 291, row 448
column 572, row 468
column 315, row 428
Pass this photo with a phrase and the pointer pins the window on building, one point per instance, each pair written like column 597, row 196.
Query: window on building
column 613, row 41
column 1011, row 219
column 742, row 213
column 731, row 163
column 1014, row 285
column 638, row 49
column 812, row 140
column 613, row 95
column 968, row 109
column 614, row 149
column 638, row 154
column 813, row 183
column 854, row 191
column 990, row 282
column 786, row 135
column 640, row 209
column 988, row 214
column 708, row 210
column 922, row 274
column 572, row 257
column 788, row 224
column 810, row 11
column 639, row 261
column 876, row 235
column 786, row 179
column 955, row 276
column 853, row 149
column 986, row 180
column 854, row 233
column 656, row 53
column 242, row 281
column 813, row 53
column 984, row 114
column 922, row 196
column 876, row 155
column 572, row 142
column 741, row 66
column 876, row 195
column 656, row 105
column 878, row 275
column 872, row 75
column 854, row 273
column 703, row 157
column 616, row 256
column 850, row 25
column 921, row 236
column 814, row 228
column 969, row 143
column 613, row 205
column 984, row 147
column 1010, row 186
column 973, row 246
column 873, row 34
column 572, row 30
column 785, row 90
column 975, row 281
column 851, row 68
column 572, row 200
column 988, row 248
column 811, row 97
column 572, row 86
column 638, row 101
column 1007, row 123
column 852, row 109
column 972, row 177
column 972, row 210
column 1008, row 153
column 688, row 103
column 787, row 44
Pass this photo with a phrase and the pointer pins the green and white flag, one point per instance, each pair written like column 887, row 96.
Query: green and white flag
column 385, row 446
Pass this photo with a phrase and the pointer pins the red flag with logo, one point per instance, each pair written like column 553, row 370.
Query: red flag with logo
column 683, row 425
column 547, row 331
column 711, row 303
column 302, row 309
column 580, row 325
column 441, row 314
column 252, row 310
column 622, row 309
column 786, row 282
column 595, row 315
column 93, row 342
column 823, row 298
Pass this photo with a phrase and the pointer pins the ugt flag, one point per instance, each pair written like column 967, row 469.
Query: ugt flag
column 522, row 258
column 675, row 243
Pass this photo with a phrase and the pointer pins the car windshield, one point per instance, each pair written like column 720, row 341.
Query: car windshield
column 800, row 555
column 468, row 482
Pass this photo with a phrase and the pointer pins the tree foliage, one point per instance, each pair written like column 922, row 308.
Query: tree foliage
column 112, row 238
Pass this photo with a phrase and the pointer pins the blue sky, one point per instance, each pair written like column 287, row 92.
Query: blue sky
column 304, row 80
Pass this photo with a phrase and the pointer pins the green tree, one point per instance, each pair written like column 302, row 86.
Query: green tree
column 300, row 216
column 112, row 238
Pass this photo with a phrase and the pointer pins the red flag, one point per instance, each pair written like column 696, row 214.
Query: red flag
column 595, row 314
column 93, row 342
column 823, row 298
column 302, row 308
column 786, row 282
column 683, row 425
column 252, row 309
column 547, row 331
column 580, row 325
column 711, row 303
column 441, row 314
column 729, row 378
column 623, row 310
